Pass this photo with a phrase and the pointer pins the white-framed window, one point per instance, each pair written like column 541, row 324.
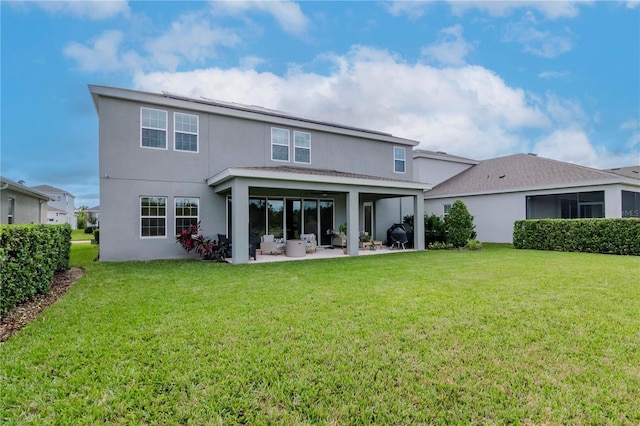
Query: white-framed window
column 302, row 147
column 447, row 209
column 153, row 217
column 11, row 204
column 279, row 144
column 399, row 159
column 185, row 132
column 187, row 209
column 153, row 128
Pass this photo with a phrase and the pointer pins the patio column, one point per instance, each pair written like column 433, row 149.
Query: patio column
column 240, row 222
column 353, row 228
column 418, row 221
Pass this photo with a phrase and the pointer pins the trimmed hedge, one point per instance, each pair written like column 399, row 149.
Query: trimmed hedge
column 29, row 256
column 611, row 236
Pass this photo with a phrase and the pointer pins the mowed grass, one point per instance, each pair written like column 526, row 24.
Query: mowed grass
column 80, row 235
column 440, row 337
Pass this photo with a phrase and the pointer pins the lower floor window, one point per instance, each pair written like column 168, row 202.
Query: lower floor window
column 153, row 216
column 186, row 213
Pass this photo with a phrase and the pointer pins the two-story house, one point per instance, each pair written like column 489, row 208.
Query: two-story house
column 167, row 161
column 61, row 207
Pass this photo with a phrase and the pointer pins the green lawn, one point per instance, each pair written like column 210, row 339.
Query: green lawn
column 497, row 336
column 80, row 235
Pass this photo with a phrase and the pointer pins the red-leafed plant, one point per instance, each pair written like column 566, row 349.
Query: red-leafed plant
column 190, row 239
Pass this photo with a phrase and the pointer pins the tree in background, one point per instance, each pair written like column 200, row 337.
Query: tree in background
column 81, row 214
column 459, row 225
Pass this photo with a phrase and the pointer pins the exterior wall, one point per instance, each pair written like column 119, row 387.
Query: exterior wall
column 228, row 142
column 432, row 171
column 129, row 171
column 495, row 214
column 27, row 209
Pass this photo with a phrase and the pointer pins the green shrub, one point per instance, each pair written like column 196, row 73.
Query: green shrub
column 29, row 256
column 438, row 245
column 434, row 229
column 473, row 244
column 613, row 236
column 96, row 235
column 459, row 225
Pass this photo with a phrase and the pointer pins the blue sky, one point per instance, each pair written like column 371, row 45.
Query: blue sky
column 476, row 79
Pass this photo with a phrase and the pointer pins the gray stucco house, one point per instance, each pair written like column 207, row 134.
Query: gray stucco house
column 61, row 207
column 167, row 161
column 20, row 204
column 499, row 191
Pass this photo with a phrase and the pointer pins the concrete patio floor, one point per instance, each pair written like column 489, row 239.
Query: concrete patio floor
column 321, row 253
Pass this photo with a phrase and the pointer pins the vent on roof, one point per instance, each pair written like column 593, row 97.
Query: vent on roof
column 500, row 177
column 532, row 154
column 441, row 152
column 635, row 171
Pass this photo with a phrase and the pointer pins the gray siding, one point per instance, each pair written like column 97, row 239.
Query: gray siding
column 27, row 209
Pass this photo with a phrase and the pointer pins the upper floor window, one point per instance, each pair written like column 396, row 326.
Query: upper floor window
column 153, row 128
column 447, row 209
column 279, row 144
column 302, row 147
column 186, row 213
column 153, row 216
column 399, row 159
column 186, row 132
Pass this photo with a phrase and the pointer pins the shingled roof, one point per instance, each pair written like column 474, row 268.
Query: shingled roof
column 519, row 172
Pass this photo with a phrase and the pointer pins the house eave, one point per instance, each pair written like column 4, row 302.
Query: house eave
column 232, row 173
column 553, row 187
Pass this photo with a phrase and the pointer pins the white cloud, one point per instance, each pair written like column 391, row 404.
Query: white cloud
column 539, row 43
column 87, row 9
column 467, row 110
column 632, row 4
column 573, row 146
column 633, row 126
column 410, row 9
column 190, row 38
column 102, row 54
column 550, row 9
column 288, row 14
column 450, row 48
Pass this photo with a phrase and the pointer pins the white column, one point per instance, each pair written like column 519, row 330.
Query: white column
column 240, row 221
column 353, row 223
column 418, row 221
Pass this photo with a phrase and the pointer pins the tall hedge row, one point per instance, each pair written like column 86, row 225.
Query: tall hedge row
column 613, row 236
column 29, row 256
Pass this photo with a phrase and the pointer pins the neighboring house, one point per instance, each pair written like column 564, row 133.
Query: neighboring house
column 93, row 216
column 61, row 207
column 20, row 204
column 500, row 191
column 168, row 161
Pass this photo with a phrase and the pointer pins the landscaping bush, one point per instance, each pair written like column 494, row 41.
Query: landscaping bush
column 613, row 236
column 459, row 224
column 29, row 256
column 434, row 229
column 96, row 235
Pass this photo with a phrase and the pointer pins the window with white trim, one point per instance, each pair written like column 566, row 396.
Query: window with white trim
column 447, row 209
column 279, row 144
column 302, row 147
column 153, row 217
column 399, row 159
column 153, row 128
column 186, row 213
column 11, row 204
column 185, row 132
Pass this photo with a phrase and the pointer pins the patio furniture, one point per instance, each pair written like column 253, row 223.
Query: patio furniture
column 309, row 242
column 268, row 244
column 295, row 248
column 339, row 240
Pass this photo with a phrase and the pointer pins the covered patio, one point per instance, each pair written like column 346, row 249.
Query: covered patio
column 350, row 199
column 322, row 253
